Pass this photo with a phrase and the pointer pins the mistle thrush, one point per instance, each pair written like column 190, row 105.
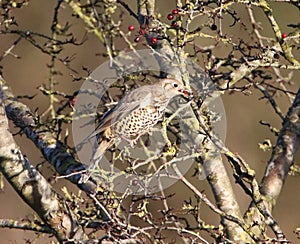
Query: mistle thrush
column 135, row 114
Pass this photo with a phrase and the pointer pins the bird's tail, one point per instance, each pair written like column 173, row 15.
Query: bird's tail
column 96, row 158
column 103, row 146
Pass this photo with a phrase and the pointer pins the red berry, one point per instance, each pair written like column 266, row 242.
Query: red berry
column 153, row 40
column 137, row 39
column 276, row 56
column 284, row 35
column 170, row 16
column 175, row 11
column 186, row 93
column 174, row 24
column 73, row 101
column 135, row 182
column 131, row 28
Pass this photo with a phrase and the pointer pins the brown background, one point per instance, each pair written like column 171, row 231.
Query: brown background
column 244, row 133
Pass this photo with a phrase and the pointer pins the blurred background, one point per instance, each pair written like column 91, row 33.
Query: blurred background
column 28, row 69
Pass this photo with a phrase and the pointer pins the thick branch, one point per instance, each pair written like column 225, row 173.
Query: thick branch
column 283, row 154
column 277, row 170
column 34, row 188
column 53, row 151
column 25, row 225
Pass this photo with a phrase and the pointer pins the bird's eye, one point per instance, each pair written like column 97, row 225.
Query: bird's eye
column 175, row 85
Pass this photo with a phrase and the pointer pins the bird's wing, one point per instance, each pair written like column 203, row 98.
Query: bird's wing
column 133, row 100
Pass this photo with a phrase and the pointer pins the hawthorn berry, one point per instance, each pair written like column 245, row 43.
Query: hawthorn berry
column 175, row 11
column 131, row 28
column 170, row 16
column 214, row 27
column 73, row 101
column 154, row 40
column 284, row 35
column 174, row 24
column 186, row 93
column 135, row 182
column 137, row 39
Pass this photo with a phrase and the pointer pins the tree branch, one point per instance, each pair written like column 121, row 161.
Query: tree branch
column 283, row 153
column 277, row 170
column 173, row 62
column 33, row 188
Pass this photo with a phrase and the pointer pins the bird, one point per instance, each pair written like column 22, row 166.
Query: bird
column 135, row 115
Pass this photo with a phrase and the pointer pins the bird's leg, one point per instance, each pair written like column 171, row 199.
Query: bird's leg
column 150, row 131
column 132, row 142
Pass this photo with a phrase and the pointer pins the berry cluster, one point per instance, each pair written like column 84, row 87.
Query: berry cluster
column 171, row 16
column 143, row 28
column 142, row 31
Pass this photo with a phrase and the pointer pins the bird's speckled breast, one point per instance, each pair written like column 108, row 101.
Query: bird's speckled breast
column 138, row 122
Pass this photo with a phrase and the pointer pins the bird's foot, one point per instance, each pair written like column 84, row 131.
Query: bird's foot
column 130, row 141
